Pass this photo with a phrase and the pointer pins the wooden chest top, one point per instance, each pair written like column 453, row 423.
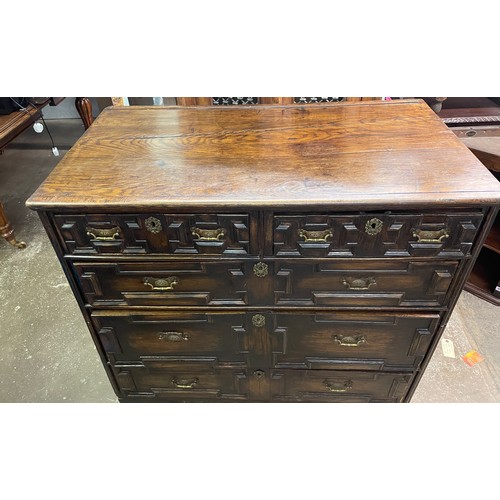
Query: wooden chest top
column 352, row 155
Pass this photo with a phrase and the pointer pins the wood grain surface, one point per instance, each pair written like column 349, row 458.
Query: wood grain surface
column 348, row 155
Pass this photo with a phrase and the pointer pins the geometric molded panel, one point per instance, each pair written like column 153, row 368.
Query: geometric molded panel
column 363, row 283
column 155, row 378
column 140, row 283
column 175, row 336
column 351, row 235
column 136, row 234
column 351, row 340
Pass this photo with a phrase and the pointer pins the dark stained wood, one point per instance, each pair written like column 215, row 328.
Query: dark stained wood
column 484, row 281
column 396, row 234
column 268, row 253
column 141, row 234
column 7, row 231
column 17, row 122
column 351, row 340
column 176, row 335
column 349, row 154
column 493, row 239
column 84, row 108
column 338, row 386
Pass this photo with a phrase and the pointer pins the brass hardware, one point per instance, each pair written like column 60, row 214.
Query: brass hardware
column 173, row 336
column 431, row 236
column 153, row 225
column 359, row 283
column 184, row 383
column 103, row 234
column 349, row 341
column 338, row 386
column 315, row 236
column 258, row 320
column 259, row 373
column 260, row 269
column 373, row 226
column 161, row 284
column 208, row 234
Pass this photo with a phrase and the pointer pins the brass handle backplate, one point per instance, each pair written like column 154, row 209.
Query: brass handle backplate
column 349, row 341
column 359, row 283
column 208, row 234
column 161, row 284
column 335, row 386
column 184, row 383
column 431, row 236
column 173, row 336
column 103, row 234
column 315, row 236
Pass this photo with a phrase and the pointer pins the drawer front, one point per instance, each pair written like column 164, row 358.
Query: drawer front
column 375, row 235
column 165, row 380
column 351, row 340
column 338, row 386
column 363, row 283
column 170, row 283
column 140, row 234
column 230, row 339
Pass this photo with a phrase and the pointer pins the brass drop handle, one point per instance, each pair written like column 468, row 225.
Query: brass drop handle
column 184, row 383
column 315, row 236
column 161, row 284
column 349, row 341
column 431, row 236
column 338, row 386
column 208, row 234
column 359, row 283
column 173, row 336
column 103, row 234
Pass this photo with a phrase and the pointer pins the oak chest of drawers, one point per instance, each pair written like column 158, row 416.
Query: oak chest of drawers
column 300, row 254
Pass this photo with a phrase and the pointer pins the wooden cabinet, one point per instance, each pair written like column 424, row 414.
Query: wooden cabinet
column 270, row 253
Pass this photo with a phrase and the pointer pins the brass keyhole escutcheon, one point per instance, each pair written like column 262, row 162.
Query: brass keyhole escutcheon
column 373, row 226
column 258, row 320
column 153, row 225
column 261, row 269
column 259, row 373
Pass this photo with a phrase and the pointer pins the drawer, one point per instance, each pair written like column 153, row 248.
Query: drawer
column 377, row 234
column 363, row 283
column 229, row 339
column 351, row 340
column 171, row 283
column 338, row 386
column 164, row 380
column 141, row 234
column 326, row 340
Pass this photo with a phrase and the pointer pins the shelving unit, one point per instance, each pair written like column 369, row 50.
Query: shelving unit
column 476, row 121
column 484, row 281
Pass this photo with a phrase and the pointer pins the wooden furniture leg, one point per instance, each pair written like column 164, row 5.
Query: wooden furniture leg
column 84, row 108
column 7, row 231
